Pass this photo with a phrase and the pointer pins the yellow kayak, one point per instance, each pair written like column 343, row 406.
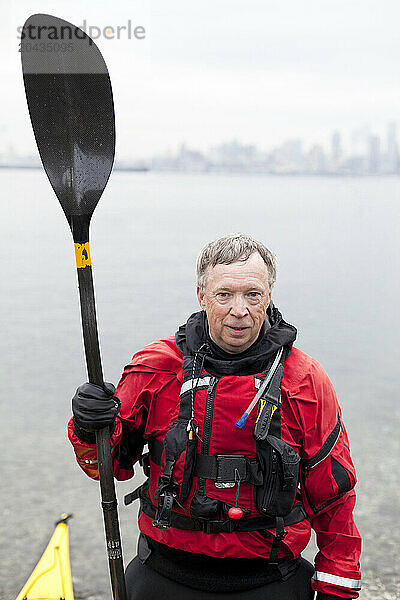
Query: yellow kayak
column 51, row 578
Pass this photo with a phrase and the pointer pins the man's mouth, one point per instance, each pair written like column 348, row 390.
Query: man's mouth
column 234, row 328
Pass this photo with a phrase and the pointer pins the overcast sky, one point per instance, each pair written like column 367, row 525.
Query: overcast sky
column 259, row 71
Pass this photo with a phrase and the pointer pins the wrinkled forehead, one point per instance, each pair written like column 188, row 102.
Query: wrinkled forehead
column 252, row 271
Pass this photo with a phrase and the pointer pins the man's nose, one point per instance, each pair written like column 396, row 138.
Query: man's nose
column 239, row 307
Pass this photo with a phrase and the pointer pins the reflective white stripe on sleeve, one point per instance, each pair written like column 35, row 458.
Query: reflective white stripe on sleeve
column 353, row 584
column 195, row 383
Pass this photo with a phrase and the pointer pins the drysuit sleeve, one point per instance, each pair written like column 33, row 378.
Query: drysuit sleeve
column 327, row 481
column 137, row 391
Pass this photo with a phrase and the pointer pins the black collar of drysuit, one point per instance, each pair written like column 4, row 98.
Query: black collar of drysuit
column 193, row 336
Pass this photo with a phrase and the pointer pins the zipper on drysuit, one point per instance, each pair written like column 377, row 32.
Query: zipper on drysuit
column 325, row 449
column 207, row 427
column 315, row 460
column 274, row 470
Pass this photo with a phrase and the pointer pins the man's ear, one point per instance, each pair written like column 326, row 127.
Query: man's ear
column 270, row 293
column 201, row 298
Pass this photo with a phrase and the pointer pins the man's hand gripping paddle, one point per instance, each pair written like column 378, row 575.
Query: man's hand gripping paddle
column 70, row 103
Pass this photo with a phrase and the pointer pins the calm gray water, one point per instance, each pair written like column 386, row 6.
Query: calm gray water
column 337, row 242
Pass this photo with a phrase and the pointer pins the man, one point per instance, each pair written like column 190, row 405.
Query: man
column 227, row 483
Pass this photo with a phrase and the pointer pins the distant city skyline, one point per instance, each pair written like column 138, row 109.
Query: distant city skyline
column 365, row 153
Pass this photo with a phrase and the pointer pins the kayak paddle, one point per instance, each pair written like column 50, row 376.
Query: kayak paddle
column 71, row 108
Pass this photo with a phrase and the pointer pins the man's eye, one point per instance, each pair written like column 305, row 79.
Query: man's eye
column 222, row 295
column 254, row 297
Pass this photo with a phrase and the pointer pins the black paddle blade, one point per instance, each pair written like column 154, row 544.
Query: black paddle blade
column 71, row 107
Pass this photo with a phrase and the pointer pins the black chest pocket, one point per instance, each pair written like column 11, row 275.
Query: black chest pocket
column 279, row 464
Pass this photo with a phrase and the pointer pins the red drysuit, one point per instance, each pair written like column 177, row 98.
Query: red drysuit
column 310, row 422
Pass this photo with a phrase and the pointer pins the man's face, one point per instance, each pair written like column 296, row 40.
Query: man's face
column 236, row 301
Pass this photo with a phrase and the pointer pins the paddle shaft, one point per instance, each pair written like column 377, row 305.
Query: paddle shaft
column 104, row 458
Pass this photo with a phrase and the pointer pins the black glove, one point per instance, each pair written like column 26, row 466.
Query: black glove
column 321, row 596
column 94, row 407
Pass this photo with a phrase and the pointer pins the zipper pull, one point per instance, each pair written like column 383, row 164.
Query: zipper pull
column 235, row 512
column 274, row 461
column 192, row 430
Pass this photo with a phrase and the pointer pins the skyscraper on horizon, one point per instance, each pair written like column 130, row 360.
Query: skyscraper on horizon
column 392, row 151
column 374, row 154
column 336, row 147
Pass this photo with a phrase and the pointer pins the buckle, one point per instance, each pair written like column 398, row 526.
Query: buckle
column 227, row 526
column 281, row 536
column 229, row 466
column 163, row 514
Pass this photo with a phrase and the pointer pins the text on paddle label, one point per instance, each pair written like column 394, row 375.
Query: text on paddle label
column 82, row 253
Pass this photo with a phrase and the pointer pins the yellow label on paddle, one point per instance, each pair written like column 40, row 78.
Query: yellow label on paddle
column 82, row 253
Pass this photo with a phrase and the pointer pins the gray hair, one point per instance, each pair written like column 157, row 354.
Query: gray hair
column 229, row 249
